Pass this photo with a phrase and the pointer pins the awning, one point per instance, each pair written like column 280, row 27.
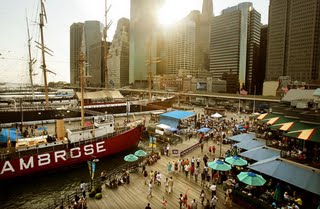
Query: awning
column 260, row 153
column 178, row 114
column 307, row 134
column 203, row 130
column 241, row 137
column 269, row 116
column 298, row 126
column 250, row 144
column 281, row 122
column 300, row 176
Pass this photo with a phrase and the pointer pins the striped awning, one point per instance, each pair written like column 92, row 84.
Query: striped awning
column 312, row 134
column 272, row 120
column 286, row 126
column 266, row 116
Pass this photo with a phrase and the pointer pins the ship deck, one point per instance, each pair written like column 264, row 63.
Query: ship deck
column 134, row 195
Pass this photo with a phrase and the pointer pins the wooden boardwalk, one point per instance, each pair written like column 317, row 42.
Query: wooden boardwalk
column 134, row 195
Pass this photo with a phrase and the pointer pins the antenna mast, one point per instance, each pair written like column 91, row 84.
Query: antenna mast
column 31, row 60
column 105, row 34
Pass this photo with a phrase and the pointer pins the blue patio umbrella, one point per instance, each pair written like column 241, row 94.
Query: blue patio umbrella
column 131, row 158
column 251, row 178
column 140, row 153
column 236, row 160
column 219, row 165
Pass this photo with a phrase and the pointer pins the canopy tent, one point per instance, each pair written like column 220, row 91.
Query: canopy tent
column 312, row 134
column 173, row 118
column 241, row 137
column 260, row 153
column 300, row 176
column 9, row 133
column 250, row 144
column 298, row 126
column 103, row 94
column 216, row 115
column 203, row 130
column 268, row 116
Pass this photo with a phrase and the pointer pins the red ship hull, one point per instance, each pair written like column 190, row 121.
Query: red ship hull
column 74, row 155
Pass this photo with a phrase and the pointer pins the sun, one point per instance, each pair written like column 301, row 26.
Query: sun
column 171, row 12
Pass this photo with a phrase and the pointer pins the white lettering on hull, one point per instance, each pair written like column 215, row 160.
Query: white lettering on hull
column 78, row 153
column 100, row 147
column 57, row 156
column 44, row 159
column 24, row 166
column 7, row 167
column 88, row 149
column 60, row 154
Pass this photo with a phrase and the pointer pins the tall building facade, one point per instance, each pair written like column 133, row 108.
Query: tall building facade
column 76, row 30
column 204, row 34
column 93, row 50
column 180, row 48
column 118, row 56
column 293, row 40
column 143, row 32
column 234, row 43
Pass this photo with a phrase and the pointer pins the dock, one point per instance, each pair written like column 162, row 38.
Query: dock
column 134, row 195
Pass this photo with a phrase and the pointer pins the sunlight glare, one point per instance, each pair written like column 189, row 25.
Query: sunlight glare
column 171, row 12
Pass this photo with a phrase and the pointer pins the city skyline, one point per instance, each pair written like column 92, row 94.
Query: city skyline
column 13, row 48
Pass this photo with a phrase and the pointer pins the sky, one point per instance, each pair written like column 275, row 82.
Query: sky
column 60, row 15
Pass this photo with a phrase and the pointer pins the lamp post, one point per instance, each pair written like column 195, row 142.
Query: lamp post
column 92, row 169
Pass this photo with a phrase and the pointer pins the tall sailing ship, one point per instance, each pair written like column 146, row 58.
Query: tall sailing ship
column 35, row 154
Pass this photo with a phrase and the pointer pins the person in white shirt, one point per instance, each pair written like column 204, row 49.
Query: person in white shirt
column 213, row 189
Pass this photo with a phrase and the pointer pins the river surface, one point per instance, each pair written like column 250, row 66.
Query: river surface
column 38, row 191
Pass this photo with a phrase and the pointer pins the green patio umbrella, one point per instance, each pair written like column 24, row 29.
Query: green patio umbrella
column 219, row 165
column 131, row 158
column 251, row 178
column 140, row 153
column 236, row 160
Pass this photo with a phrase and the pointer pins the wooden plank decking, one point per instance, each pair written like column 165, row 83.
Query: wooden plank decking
column 134, row 195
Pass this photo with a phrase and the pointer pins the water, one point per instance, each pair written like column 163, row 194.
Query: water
column 38, row 191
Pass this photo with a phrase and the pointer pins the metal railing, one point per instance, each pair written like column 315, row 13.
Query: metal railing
column 66, row 200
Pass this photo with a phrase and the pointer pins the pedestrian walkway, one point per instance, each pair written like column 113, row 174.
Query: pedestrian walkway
column 134, row 195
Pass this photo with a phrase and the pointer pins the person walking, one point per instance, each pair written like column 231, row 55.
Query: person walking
column 169, row 167
column 83, row 188
column 194, row 204
column 202, row 196
column 170, row 182
column 202, row 145
column 148, row 206
column 196, row 173
column 145, row 175
column 203, row 178
column 207, row 206
column 150, row 189
column 213, row 189
column 214, row 202
column 166, row 185
column 180, row 201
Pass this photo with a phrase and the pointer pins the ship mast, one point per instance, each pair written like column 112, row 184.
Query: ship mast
column 31, row 60
column 82, row 77
column 105, row 44
column 44, row 67
column 44, row 50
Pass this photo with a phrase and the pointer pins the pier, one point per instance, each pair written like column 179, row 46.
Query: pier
column 134, row 195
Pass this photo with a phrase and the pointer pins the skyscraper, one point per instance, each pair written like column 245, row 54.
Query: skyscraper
column 93, row 44
column 118, row 57
column 203, row 39
column 76, row 30
column 234, row 39
column 143, row 31
column 293, row 42
column 179, row 50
